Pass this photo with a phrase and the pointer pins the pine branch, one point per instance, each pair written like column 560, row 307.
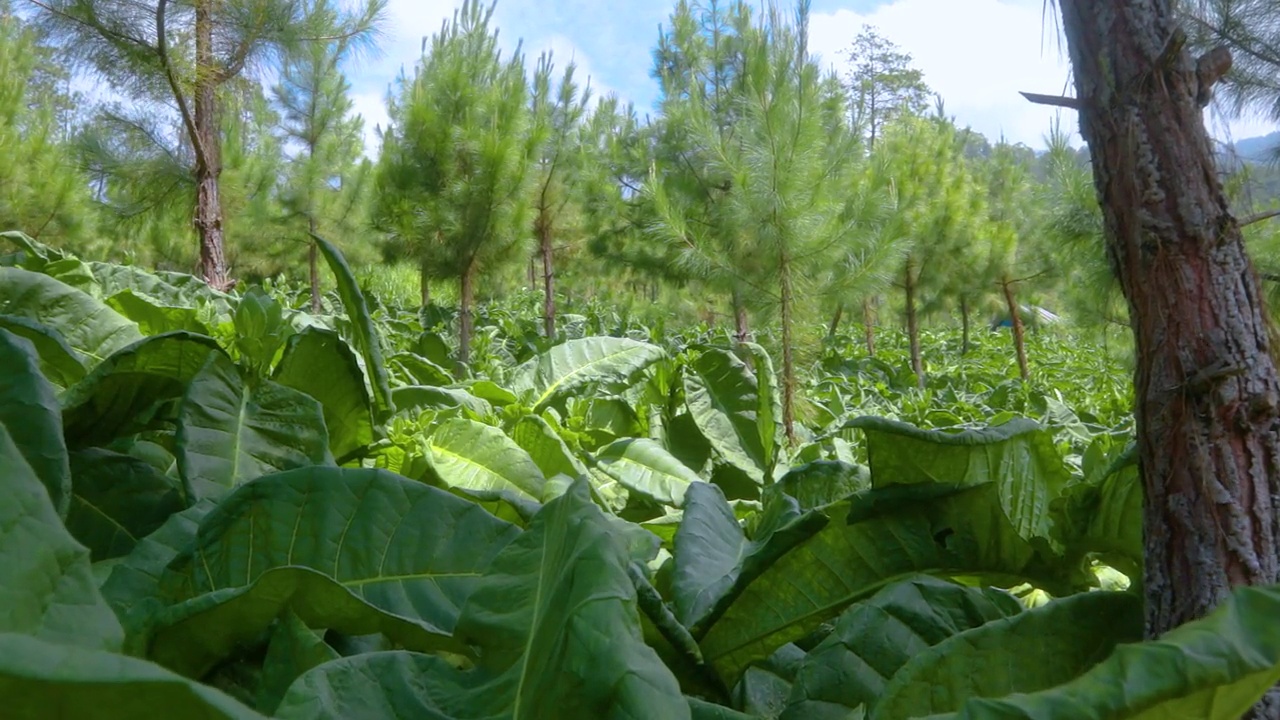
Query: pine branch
column 1053, row 100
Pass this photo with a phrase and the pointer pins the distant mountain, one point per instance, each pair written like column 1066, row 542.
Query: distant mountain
column 1258, row 148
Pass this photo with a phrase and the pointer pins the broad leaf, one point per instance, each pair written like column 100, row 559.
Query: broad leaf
column 366, row 335
column 867, row 545
column 407, row 548
column 41, row 680
column 576, row 363
column 1027, row 652
column 29, row 411
column 154, row 317
column 88, row 325
column 318, row 363
column 571, row 649
column 193, row 636
column 120, row 396
column 418, row 370
column 169, row 288
column 725, row 402
column 59, row 362
column 133, row 588
column 47, row 588
column 117, row 500
column 1020, row 457
column 1215, row 668
column 294, row 649
column 644, row 467
column 875, row 638
column 712, row 554
column 230, row 432
column 472, row 456
column 416, row 398
column 546, row 448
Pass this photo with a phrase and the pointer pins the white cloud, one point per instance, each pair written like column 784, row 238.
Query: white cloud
column 979, row 54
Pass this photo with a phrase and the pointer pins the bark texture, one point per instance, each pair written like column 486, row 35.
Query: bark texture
column 869, row 325
column 1019, row 332
column 208, row 215
column 913, row 322
column 1205, row 386
column 467, row 294
column 548, row 280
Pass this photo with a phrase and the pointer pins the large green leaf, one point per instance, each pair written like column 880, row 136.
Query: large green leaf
column 473, row 456
column 547, row 449
column 117, row 500
column 88, row 325
column 401, row 546
column 725, row 401
column 29, row 411
column 1215, row 668
column 1106, row 517
column 153, row 316
column 293, row 649
column 194, row 636
column 875, row 638
column 366, row 335
column 418, row 370
column 645, row 467
column 572, row 648
column 46, row 586
column 576, row 363
column 416, row 398
column 1020, row 457
column 170, row 288
column 318, row 363
column 59, row 362
column 867, row 545
column 1027, row 652
column 712, row 553
column 133, row 588
column 119, row 396
column 230, row 431
column 41, row 680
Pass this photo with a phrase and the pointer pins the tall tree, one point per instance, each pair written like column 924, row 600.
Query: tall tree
column 781, row 175
column 453, row 178
column 182, row 55
column 883, row 87
column 1206, row 385
column 558, row 112
column 327, row 178
column 41, row 191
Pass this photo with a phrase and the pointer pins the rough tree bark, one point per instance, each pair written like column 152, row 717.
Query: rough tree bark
column 869, row 325
column 1019, row 333
column 964, row 326
column 835, row 321
column 313, row 266
column 424, row 283
column 208, row 213
column 742, row 327
column 464, row 316
column 1205, row 386
column 548, row 279
column 913, row 324
column 788, row 360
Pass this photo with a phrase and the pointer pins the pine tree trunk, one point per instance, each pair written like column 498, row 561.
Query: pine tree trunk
column 869, row 325
column 964, row 326
column 788, row 362
column 548, row 280
column 742, row 328
column 835, row 321
column 313, row 266
column 531, row 272
column 208, row 215
column 913, row 325
column 464, row 319
column 424, row 284
column 1019, row 344
column 1205, row 386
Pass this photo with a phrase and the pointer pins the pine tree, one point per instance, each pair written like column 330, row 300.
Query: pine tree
column 184, row 55
column 42, row 192
column 453, row 179
column 327, row 178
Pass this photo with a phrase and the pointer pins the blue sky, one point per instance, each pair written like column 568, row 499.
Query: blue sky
column 977, row 53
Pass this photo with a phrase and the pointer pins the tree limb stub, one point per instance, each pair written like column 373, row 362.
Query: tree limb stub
column 1054, row 100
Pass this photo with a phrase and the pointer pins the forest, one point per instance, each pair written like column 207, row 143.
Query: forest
column 790, row 397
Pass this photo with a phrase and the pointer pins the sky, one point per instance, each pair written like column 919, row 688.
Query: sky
column 977, row 53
